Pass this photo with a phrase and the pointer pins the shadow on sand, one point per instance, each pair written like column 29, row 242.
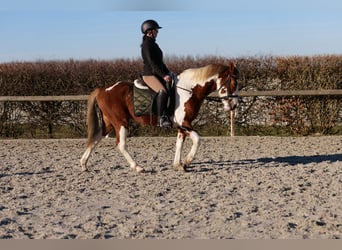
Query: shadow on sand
column 294, row 160
column 288, row 160
column 44, row 171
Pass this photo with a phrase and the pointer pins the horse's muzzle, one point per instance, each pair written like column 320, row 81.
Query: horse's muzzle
column 230, row 104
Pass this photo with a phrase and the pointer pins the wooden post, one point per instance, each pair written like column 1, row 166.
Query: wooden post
column 232, row 129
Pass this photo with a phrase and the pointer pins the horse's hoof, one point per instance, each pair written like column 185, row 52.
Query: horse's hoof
column 179, row 168
column 84, row 169
column 139, row 169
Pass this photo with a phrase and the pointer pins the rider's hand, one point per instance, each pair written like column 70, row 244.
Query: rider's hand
column 167, row 78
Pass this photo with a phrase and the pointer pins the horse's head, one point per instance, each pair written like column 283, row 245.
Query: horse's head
column 227, row 87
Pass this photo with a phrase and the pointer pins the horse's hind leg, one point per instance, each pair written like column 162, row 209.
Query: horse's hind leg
column 122, row 142
column 92, row 142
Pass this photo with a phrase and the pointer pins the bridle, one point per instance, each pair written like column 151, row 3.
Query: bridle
column 229, row 94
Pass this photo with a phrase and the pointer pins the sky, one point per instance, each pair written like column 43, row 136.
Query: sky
column 32, row 30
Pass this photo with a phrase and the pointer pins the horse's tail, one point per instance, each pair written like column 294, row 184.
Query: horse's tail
column 94, row 118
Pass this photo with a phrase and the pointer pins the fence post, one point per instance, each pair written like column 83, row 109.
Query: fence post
column 232, row 128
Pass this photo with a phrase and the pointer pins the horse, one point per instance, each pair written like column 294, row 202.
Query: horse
column 111, row 108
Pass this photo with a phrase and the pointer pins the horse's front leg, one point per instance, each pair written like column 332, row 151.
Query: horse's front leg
column 179, row 146
column 122, row 140
column 195, row 144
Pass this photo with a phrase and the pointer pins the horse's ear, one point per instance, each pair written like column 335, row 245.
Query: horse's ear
column 232, row 67
column 234, row 70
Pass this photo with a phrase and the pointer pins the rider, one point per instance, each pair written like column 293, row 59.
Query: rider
column 156, row 75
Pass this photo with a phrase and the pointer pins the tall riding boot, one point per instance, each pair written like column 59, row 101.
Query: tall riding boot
column 161, row 102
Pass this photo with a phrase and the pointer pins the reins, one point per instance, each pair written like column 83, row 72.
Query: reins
column 188, row 90
column 219, row 99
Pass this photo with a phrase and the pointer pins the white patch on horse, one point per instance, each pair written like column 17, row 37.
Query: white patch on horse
column 110, row 88
column 186, row 82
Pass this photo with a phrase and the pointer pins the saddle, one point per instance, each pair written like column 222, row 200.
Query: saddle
column 144, row 98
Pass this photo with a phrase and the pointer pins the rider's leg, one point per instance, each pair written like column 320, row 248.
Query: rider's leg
column 154, row 83
column 161, row 99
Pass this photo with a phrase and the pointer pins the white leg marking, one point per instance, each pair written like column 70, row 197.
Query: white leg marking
column 88, row 151
column 123, row 149
column 85, row 157
column 179, row 147
column 195, row 144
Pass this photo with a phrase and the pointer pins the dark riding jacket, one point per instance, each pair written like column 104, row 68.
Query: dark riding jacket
column 153, row 58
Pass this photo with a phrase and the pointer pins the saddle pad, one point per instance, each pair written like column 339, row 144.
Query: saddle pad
column 139, row 83
column 142, row 101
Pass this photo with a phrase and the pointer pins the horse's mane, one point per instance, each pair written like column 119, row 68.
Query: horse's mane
column 203, row 73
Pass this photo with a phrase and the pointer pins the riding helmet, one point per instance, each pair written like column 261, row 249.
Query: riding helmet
column 149, row 25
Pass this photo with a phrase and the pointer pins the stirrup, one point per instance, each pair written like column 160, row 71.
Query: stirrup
column 164, row 122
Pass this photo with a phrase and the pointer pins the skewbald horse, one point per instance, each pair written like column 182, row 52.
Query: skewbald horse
column 112, row 108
